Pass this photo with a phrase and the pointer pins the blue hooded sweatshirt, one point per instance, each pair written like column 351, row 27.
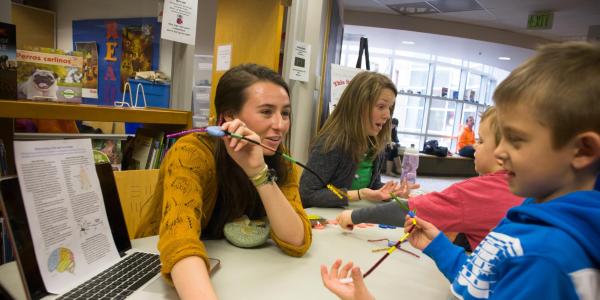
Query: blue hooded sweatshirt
column 544, row 251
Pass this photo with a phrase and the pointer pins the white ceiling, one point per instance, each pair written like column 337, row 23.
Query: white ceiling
column 447, row 46
column 572, row 19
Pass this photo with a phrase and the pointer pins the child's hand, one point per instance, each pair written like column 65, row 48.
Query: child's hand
column 356, row 290
column 422, row 235
column 345, row 220
column 405, row 188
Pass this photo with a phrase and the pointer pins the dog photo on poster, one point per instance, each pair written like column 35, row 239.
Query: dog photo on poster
column 125, row 46
column 46, row 74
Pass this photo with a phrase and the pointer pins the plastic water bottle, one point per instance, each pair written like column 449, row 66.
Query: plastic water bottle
column 410, row 163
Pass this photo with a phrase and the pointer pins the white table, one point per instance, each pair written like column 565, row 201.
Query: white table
column 267, row 273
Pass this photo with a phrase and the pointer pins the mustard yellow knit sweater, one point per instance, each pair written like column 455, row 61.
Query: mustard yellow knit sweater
column 187, row 189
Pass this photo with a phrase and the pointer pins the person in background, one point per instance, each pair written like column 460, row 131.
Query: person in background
column 391, row 152
column 548, row 247
column 467, row 139
column 472, row 206
column 348, row 151
column 206, row 182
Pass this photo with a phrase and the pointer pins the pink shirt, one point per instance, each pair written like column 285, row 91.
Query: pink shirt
column 473, row 206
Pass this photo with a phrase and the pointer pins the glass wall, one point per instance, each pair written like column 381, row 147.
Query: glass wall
column 435, row 94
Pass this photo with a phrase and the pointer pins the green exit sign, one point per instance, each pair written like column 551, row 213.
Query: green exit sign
column 540, row 20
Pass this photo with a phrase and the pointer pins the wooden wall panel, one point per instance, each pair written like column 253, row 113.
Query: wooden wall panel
column 253, row 29
column 35, row 27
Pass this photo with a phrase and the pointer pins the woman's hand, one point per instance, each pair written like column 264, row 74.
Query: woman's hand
column 423, row 233
column 356, row 290
column 344, row 219
column 247, row 155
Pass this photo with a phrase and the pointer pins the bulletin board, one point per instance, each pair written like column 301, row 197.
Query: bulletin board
column 125, row 46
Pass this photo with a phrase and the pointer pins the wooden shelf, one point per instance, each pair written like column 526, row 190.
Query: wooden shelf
column 11, row 109
column 68, row 111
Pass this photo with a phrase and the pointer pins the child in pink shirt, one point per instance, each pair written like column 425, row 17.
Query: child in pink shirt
column 472, row 207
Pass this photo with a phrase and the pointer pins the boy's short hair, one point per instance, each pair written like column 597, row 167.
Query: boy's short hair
column 561, row 83
column 491, row 116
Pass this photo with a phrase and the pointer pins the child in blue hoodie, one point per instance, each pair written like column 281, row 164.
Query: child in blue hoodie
column 548, row 247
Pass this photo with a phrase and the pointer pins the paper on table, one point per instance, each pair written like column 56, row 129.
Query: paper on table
column 65, row 211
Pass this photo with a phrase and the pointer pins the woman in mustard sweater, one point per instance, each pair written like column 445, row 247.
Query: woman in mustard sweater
column 198, row 198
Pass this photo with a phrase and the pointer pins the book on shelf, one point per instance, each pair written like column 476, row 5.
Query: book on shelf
column 47, row 74
column 112, row 148
column 3, row 159
column 7, row 254
column 145, row 150
column 8, row 61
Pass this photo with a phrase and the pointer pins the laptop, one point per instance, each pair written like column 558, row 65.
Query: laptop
column 135, row 275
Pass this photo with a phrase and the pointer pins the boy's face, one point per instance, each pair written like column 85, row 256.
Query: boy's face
column 535, row 168
column 485, row 162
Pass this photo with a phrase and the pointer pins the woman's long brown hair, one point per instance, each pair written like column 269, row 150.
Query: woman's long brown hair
column 236, row 195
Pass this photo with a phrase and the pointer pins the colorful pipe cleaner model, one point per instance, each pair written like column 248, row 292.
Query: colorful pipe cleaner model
column 395, row 246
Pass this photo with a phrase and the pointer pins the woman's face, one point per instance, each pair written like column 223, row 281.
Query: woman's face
column 267, row 112
column 380, row 112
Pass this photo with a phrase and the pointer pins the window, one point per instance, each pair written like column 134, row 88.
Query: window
column 473, row 88
column 441, row 117
column 410, row 77
column 411, row 139
column 452, row 61
column 409, row 111
column 475, row 66
column 378, row 64
column 413, row 54
column 443, row 142
column 446, row 81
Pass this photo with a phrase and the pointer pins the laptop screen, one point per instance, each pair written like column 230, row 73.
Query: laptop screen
column 14, row 210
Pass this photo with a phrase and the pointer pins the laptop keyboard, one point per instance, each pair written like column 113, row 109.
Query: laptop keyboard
column 120, row 280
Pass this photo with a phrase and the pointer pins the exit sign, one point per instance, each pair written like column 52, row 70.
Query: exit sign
column 540, row 20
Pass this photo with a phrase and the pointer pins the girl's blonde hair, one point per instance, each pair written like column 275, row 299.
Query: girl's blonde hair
column 491, row 116
column 346, row 127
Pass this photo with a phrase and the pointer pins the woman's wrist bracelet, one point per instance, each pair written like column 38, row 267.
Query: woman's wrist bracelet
column 264, row 176
column 358, row 192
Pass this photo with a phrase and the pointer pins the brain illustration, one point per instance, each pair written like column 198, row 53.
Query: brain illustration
column 61, row 259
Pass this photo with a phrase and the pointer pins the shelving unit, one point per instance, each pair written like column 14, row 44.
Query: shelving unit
column 10, row 109
column 442, row 98
column 63, row 111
